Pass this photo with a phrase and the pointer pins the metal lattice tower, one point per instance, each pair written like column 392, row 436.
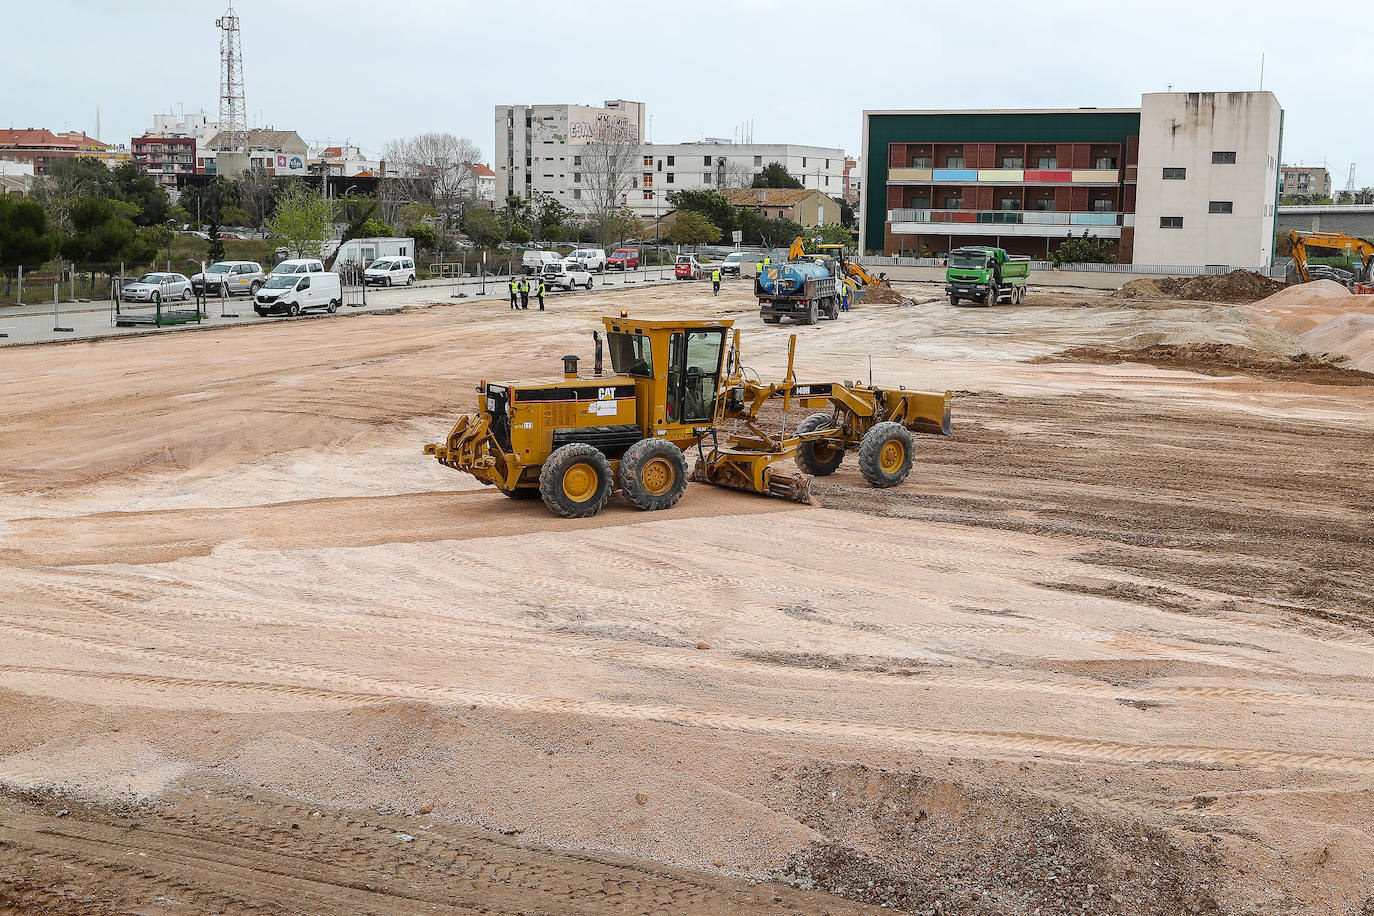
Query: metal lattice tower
column 233, row 120
column 1350, row 182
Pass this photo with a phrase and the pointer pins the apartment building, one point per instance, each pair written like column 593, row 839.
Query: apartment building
column 1187, row 178
column 164, row 158
column 1304, row 181
column 537, row 146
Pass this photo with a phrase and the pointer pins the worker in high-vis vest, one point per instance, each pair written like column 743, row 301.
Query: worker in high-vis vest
column 539, row 293
column 514, row 295
column 758, row 269
column 767, row 261
column 844, row 296
column 715, row 281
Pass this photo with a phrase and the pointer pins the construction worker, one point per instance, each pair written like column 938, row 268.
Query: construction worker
column 539, row 291
column 715, row 281
column 844, row 297
column 525, row 293
column 758, row 269
column 767, row 261
column 513, row 304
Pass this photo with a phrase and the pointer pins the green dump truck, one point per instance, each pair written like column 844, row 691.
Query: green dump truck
column 985, row 275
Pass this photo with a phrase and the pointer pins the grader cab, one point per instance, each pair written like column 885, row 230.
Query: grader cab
column 677, row 386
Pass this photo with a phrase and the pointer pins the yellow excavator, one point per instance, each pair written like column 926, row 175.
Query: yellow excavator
column 1357, row 280
column 849, row 272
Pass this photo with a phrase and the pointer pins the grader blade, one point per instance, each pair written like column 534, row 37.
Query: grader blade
column 792, row 487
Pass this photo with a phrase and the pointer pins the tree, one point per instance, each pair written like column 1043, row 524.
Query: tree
column 302, row 220
column 25, row 236
column 1082, row 250
column 135, row 186
column 829, row 234
column 375, row 228
column 778, row 232
column 67, row 181
column 423, row 235
column 1364, row 196
column 256, row 194
column 483, row 227
column 610, row 161
column 518, row 233
column 691, row 228
column 709, row 204
column 549, row 217
column 432, row 168
column 103, row 235
column 618, row 226
column 774, row 175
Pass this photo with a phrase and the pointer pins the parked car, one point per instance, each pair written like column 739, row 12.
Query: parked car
column 390, row 272
column 296, row 293
column 688, row 267
column 299, row 266
column 594, row 259
column 232, row 235
column 623, row 259
column 229, row 278
column 535, row 260
column 566, row 275
column 149, row 286
column 732, row 263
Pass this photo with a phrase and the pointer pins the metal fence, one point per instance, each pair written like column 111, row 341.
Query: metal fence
column 1176, row 270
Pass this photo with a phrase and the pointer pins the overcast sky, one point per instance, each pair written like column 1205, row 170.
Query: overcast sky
column 801, row 72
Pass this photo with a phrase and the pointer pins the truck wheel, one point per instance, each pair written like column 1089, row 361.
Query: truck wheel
column 576, row 481
column 813, row 312
column 332, row 307
column 832, row 311
column 990, row 297
column 818, row 458
column 953, row 299
column 885, row 455
column 653, row 474
column 294, row 310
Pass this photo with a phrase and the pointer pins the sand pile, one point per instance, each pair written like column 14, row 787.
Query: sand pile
column 1237, row 286
column 885, row 295
column 1325, row 317
column 1224, row 359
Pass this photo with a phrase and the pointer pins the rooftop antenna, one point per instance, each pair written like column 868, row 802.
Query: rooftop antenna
column 233, row 127
column 1261, row 71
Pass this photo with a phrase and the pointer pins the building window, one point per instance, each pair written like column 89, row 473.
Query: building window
column 922, row 162
column 705, row 160
column 577, row 193
column 577, row 177
column 705, row 177
column 577, row 160
column 670, row 159
column 953, row 203
column 827, row 181
column 954, row 162
column 1219, row 206
column 1104, row 163
column 660, row 165
column 670, row 178
column 1175, row 174
column 648, row 179
column 803, row 162
column 1013, row 162
column 1171, row 222
column 1224, row 157
column 648, row 195
column 1103, row 205
column 758, row 160
column 1008, row 203
column 1045, row 204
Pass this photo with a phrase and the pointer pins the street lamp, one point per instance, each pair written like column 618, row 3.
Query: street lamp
column 170, row 224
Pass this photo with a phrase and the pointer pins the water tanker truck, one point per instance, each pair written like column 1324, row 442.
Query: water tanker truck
column 804, row 291
column 985, row 276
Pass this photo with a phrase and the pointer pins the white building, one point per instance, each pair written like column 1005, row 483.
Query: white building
column 486, row 182
column 536, row 149
column 1207, row 189
column 341, row 160
column 720, row 165
column 277, row 152
column 196, row 124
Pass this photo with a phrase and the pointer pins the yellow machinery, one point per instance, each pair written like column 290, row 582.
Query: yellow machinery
column 849, row 272
column 677, row 386
column 1300, row 242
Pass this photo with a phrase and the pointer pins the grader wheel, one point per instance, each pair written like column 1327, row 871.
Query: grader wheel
column 653, row 474
column 818, row 458
column 886, row 454
column 576, row 481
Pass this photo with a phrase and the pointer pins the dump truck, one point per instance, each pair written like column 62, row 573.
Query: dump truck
column 675, row 387
column 804, row 291
column 985, row 276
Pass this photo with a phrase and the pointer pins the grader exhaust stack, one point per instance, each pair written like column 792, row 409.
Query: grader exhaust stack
column 675, row 388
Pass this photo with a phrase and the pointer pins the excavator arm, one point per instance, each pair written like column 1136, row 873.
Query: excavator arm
column 1299, row 242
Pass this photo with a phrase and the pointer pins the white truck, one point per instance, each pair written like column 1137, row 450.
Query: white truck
column 594, row 259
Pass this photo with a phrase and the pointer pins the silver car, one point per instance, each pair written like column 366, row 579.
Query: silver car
column 230, row 278
column 149, row 286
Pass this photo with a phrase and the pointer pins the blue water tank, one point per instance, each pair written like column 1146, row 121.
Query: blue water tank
column 790, row 279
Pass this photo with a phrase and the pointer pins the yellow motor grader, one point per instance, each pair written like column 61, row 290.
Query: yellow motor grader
column 677, row 386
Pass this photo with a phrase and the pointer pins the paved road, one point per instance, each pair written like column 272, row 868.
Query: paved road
column 34, row 322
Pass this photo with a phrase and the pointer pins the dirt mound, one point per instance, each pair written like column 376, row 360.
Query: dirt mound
column 885, row 295
column 1237, row 286
column 1325, row 317
column 1225, row 359
column 915, row 844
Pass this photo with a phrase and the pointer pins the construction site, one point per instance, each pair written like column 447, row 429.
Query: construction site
column 1065, row 608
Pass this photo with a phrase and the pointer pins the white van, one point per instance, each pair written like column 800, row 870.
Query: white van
column 592, row 259
column 566, row 275
column 294, row 293
column 534, row 261
column 299, row 266
column 390, row 272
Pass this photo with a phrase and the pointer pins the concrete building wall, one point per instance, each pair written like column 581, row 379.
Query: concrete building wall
column 1354, row 219
column 535, row 146
column 1195, row 131
column 719, row 166
column 1305, row 180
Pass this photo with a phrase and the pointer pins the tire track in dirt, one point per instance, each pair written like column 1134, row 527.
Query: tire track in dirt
column 1017, row 744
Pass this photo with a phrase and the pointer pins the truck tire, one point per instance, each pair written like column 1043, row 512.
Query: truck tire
column 953, row 299
column 885, row 454
column 294, row 310
column 990, row 297
column 813, row 312
column 832, row 310
column 653, row 474
column 818, row 458
column 576, row 481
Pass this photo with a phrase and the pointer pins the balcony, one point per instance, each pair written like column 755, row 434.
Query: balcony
column 1043, row 223
column 1004, row 176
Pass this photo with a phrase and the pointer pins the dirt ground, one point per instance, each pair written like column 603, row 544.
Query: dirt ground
column 1109, row 650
